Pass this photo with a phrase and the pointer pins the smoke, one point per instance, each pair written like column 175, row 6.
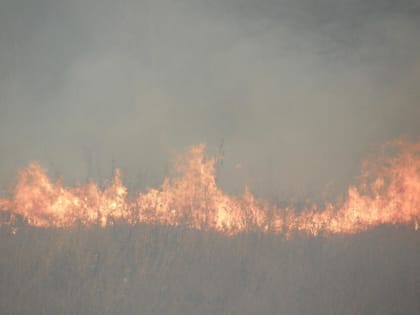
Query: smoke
column 296, row 93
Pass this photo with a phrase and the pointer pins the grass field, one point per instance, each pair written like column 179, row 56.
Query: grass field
column 165, row 270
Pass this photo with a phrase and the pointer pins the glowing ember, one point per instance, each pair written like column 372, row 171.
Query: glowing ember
column 389, row 193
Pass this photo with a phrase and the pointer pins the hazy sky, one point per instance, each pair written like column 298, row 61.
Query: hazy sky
column 298, row 91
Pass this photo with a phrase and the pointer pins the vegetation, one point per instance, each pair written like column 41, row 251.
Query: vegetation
column 145, row 269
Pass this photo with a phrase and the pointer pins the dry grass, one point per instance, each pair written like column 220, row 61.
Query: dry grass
column 162, row 270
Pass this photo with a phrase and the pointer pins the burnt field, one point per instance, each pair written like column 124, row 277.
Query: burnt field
column 147, row 269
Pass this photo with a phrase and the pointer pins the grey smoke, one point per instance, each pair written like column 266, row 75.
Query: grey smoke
column 298, row 91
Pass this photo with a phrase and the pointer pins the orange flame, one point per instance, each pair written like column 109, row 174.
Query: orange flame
column 389, row 193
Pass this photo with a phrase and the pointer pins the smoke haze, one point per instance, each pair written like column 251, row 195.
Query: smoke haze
column 293, row 93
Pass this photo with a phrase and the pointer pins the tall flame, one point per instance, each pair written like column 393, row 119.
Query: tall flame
column 388, row 193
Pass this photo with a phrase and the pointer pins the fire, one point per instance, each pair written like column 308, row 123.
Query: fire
column 388, row 193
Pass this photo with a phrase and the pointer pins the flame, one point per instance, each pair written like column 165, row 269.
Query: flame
column 388, row 193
